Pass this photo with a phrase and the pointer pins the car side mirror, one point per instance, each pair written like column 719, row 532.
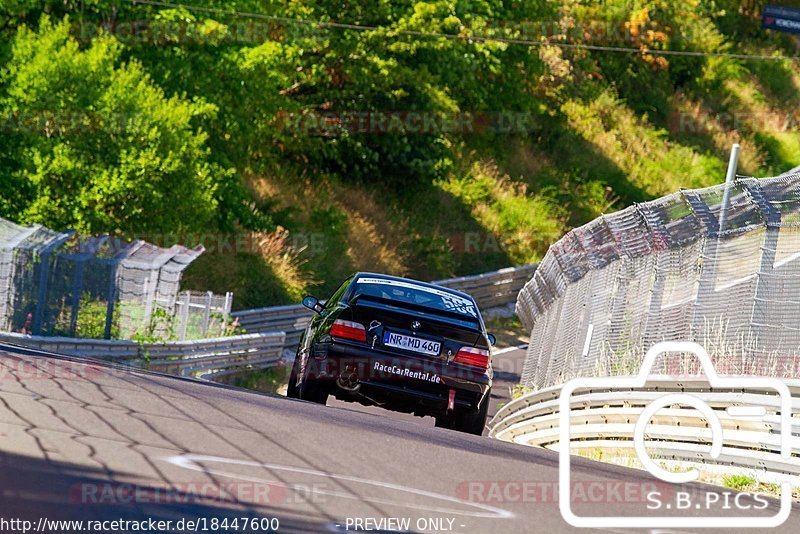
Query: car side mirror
column 312, row 303
column 492, row 339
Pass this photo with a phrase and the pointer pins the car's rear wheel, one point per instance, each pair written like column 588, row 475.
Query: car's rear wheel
column 291, row 389
column 444, row 421
column 474, row 423
column 468, row 422
column 314, row 391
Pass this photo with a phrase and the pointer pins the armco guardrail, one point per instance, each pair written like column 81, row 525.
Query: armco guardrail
column 291, row 319
column 493, row 289
column 497, row 288
column 604, row 418
column 213, row 359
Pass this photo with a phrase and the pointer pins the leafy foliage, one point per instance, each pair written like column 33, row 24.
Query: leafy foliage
column 100, row 147
column 130, row 118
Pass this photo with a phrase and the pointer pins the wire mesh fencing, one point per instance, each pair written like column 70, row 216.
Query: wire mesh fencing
column 679, row 269
column 65, row 284
column 201, row 315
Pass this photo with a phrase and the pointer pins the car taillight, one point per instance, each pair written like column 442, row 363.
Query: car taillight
column 473, row 356
column 349, row 330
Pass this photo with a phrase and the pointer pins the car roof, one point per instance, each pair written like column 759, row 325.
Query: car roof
column 412, row 281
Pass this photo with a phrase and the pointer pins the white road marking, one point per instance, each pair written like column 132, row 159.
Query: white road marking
column 190, row 461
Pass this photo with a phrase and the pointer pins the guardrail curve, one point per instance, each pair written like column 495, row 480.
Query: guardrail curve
column 212, row 359
column 605, row 418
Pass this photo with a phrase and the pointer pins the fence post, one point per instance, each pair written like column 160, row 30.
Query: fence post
column 729, row 179
column 7, row 294
column 184, row 315
column 112, row 297
column 148, row 304
column 207, row 312
column 77, row 287
column 226, row 308
column 38, row 314
column 769, row 250
column 711, row 248
column 44, row 269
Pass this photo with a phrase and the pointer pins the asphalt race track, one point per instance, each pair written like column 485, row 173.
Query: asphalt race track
column 92, row 441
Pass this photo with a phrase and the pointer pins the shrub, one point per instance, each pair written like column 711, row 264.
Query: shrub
column 98, row 146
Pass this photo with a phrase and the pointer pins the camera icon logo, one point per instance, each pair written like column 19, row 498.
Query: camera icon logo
column 716, row 451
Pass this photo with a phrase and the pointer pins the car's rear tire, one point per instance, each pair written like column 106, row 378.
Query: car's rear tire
column 468, row 422
column 445, row 421
column 314, row 391
column 474, row 423
column 291, row 389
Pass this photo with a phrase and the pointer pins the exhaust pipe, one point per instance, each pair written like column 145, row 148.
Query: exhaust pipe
column 348, row 381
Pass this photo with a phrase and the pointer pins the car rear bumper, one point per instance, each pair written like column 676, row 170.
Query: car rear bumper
column 399, row 379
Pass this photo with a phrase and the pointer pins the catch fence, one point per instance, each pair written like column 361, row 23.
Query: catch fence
column 673, row 269
column 64, row 284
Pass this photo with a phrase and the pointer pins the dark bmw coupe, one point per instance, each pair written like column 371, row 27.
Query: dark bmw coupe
column 400, row 344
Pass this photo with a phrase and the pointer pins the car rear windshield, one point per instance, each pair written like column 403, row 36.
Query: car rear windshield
column 410, row 293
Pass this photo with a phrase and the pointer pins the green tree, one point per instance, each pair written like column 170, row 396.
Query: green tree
column 280, row 97
column 96, row 145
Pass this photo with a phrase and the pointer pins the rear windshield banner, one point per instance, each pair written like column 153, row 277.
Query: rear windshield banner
column 451, row 301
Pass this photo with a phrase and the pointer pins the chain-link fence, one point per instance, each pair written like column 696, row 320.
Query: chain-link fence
column 672, row 269
column 202, row 315
column 64, row 284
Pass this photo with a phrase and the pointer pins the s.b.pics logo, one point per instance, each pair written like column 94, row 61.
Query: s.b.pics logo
column 731, row 421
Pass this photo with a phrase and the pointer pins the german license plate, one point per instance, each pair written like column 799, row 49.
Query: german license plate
column 415, row 344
